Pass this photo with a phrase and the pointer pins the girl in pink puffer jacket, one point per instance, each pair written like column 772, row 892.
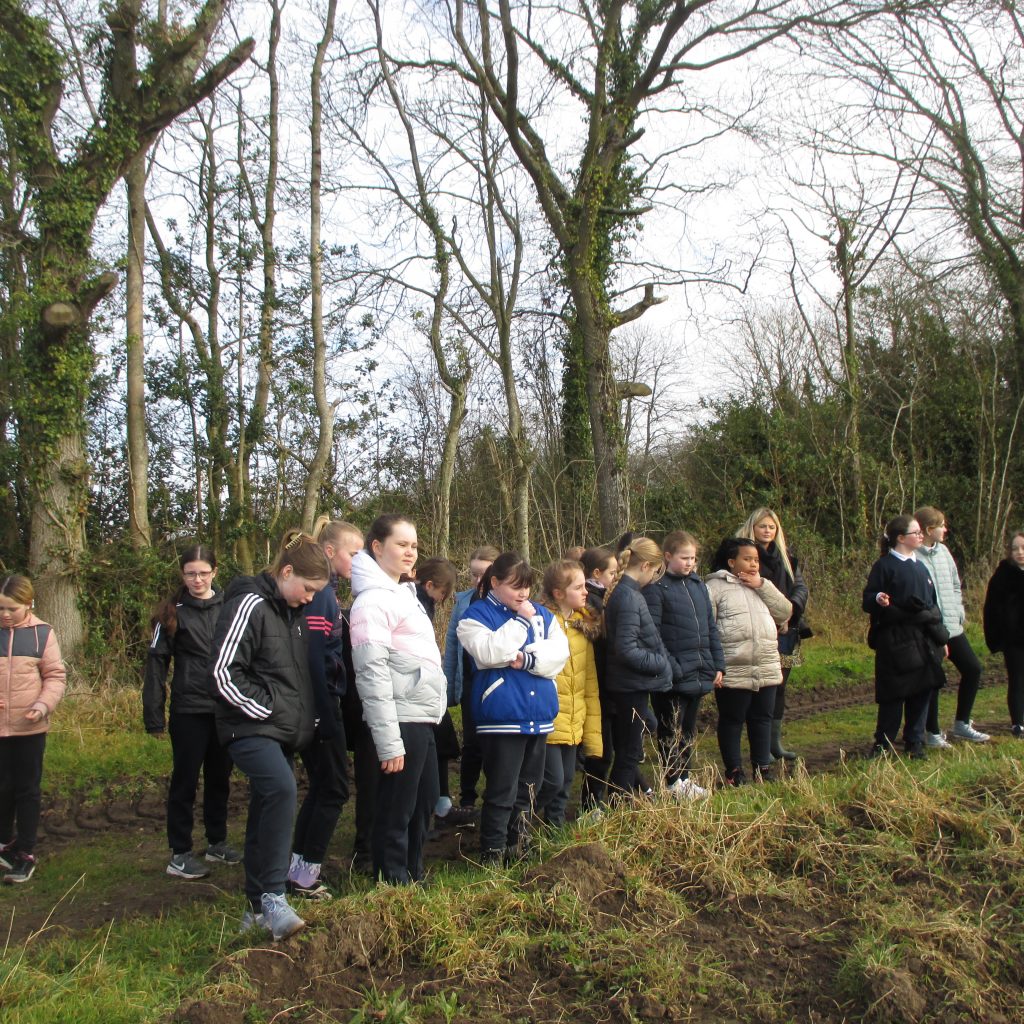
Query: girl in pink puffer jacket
column 31, row 684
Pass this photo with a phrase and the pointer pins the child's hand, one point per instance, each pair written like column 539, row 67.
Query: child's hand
column 518, row 661
column 33, row 715
column 718, row 680
column 527, row 610
column 392, row 765
column 751, row 579
column 883, row 599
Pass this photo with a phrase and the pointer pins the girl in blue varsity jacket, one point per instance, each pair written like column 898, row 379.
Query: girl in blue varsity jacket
column 517, row 649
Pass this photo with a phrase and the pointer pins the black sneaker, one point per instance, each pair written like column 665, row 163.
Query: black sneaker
column 457, row 817
column 22, row 870
column 1018, row 732
column 916, row 752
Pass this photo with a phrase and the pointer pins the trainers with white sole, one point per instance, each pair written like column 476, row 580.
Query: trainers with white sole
column 282, row 921
column 251, row 919
column 221, row 853
column 184, row 865
column 21, row 870
column 966, row 731
column 687, row 789
column 937, row 741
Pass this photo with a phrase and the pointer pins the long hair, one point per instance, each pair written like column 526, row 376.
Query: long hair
column 332, row 531
column 928, row 516
column 18, row 588
column 303, row 554
column 747, row 530
column 894, row 529
column 166, row 612
column 557, row 576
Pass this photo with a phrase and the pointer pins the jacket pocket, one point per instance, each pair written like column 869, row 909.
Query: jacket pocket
column 489, row 692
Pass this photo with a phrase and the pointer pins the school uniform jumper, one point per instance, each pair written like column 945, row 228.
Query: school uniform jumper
column 191, row 721
column 31, row 676
column 404, row 695
column 514, row 710
column 259, row 672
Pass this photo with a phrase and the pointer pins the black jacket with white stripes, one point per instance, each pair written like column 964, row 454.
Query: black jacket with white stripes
column 259, row 666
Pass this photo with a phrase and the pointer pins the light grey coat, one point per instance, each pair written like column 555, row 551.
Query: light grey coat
column 396, row 657
column 948, row 594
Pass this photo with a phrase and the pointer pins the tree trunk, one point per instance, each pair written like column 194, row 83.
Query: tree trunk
column 138, row 448
column 325, row 410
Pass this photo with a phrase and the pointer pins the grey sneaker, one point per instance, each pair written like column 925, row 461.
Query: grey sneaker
column 221, row 853
column 937, row 741
column 184, row 865
column 966, row 731
column 282, row 921
column 251, row 919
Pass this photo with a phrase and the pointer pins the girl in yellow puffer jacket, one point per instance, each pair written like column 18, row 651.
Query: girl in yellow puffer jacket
column 579, row 707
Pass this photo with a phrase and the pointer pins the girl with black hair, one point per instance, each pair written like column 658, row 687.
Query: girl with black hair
column 183, row 627
column 517, row 650
column 907, row 636
column 748, row 610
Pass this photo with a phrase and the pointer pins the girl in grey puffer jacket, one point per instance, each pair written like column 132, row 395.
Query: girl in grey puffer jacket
column 936, row 558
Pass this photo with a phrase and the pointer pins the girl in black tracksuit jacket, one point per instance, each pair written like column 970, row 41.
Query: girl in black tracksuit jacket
column 265, row 713
column 183, row 627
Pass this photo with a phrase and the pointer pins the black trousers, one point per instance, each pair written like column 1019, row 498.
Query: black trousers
column 514, row 771
column 21, row 772
column 367, row 773
column 326, row 764
column 447, row 740
column 752, row 708
column 1014, row 659
column 472, row 753
column 912, row 711
column 595, row 778
column 962, row 655
column 405, row 802
column 195, row 749
column 779, row 711
column 677, row 729
column 633, row 720
column 559, row 772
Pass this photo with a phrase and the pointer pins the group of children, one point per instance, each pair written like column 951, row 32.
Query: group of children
column 619, row 645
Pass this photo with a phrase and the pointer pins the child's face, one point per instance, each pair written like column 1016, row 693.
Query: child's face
column 1016, row 553
column 936, row 534
column 606, row 577
column 647, row 572
column 511, row 595
column 340, row 555
column 477, row 568
column 682, row 561
column 198, row 578
column 297, row 590
column 12, row 613
column 746, row 561
column 765, row 530
column 396, row 554
column 574, row 596
column 438, row 593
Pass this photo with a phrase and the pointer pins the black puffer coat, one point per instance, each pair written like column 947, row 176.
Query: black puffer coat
column 637, row 660
column 1004, row 608
column 259, row 667
column 681, row 611
column 908, row 636
column 189, row 646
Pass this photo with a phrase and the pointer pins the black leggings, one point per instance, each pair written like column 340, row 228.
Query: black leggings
column 21, row 771
column 966, row 661
column 677, row 729
column 737, row 707
column 1014, row 658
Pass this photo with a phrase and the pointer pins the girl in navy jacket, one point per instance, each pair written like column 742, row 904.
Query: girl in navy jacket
column 517, row 650
column 680, row 606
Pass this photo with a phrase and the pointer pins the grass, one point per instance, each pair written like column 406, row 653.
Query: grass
column 879, row 891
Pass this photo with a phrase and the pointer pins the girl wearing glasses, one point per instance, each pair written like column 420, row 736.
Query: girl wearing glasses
column 183, row 627
column 907, row 636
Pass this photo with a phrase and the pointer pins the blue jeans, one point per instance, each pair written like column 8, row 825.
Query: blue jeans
column 268, row 830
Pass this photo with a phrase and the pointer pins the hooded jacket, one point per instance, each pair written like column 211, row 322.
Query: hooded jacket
column 948, row 594
column 513, row 700
column 1004, row 607
column 31, row 676
column 748, row 622
column 680, row 607
column 259, row 667
column 637, row 659
column 189, row 646
column 395, row 655
column 579, row 706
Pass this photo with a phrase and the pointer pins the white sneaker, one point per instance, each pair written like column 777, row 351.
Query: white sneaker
column 687, row 789
column 251, row 919
column 937, row 740
column 282, row 921
column 966, row 731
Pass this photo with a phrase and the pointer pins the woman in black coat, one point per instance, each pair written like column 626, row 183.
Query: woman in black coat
column 1004, row 626
column 780, row 566
column 907, row 636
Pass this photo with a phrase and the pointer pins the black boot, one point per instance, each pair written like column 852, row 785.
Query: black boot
column 778, row 750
